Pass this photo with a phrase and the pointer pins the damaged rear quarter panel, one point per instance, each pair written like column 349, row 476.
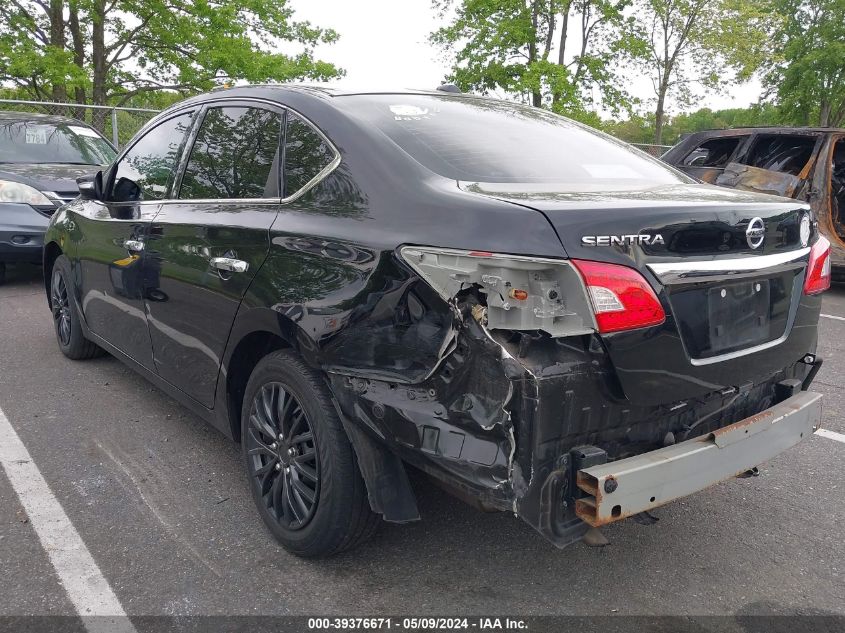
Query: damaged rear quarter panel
column 394, row 352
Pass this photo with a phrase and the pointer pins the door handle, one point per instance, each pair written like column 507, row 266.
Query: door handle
column 133, row 246
column 229, row 264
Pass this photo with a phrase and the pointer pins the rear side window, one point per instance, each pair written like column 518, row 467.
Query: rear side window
column 145, row 170
column 713, row 153
column 781, row 152
column 306, row 154
column 235, row 155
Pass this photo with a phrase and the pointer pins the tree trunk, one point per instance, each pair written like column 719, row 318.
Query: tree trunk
column 561, row 51
column 78, row 47
column 98, row 57
column 536, row 97
column 658, row 114
column 57, row 41
column 824, row 113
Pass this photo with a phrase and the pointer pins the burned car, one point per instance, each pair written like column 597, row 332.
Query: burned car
column 807, row 164
column 541, row 318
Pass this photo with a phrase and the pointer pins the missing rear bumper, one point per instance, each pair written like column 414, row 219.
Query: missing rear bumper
column 628, row 486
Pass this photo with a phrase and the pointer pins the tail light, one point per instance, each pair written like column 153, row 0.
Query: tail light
column 818, row 269
column 620, row 296
column 534, row 293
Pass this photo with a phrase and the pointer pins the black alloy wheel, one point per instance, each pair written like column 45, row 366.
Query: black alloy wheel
column 61, row 308
column 67, row 322
column 301, row 466
column 283, row 456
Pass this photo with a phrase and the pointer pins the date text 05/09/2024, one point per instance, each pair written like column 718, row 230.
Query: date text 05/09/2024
column 418, row 624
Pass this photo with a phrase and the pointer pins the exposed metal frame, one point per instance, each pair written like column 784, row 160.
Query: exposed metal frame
column 629, row 486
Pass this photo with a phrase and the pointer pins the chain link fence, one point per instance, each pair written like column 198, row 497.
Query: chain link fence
column 116, row 124
column 655, row 150
column 120, row 124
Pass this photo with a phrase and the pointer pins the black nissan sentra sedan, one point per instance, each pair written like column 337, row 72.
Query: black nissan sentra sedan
column 543, row 319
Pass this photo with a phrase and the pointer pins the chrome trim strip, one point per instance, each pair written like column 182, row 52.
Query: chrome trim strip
column 737, row 264
column 323, row 172
column 328, row 169
column 698, row 362
column 169, row 201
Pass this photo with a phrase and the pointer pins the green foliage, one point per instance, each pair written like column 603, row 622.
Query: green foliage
column 98, row 53
column 807, row 71
column 525, row 48
column 687, row 45
column 640, row 129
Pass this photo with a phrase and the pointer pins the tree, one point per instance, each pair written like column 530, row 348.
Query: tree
column 554, row 53
column 111, row 51
column 689, row 44
column 808, row 76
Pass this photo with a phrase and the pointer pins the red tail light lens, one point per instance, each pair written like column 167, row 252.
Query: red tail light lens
column 620, row 296
column 818, row 269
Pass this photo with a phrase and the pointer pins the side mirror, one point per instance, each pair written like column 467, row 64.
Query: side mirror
column 91, row 187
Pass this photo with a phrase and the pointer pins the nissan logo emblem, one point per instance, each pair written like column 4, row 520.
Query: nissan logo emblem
column 756, row 232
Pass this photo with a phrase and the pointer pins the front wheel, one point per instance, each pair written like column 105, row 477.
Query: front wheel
column 66, row 320
column 301, row 467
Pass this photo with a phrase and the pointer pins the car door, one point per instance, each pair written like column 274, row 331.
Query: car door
column 115, row 230
column 207, row 242
column 777, row 164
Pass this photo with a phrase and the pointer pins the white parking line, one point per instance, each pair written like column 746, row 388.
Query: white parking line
column 831, row 435
column 83, row 581
column 830, row 316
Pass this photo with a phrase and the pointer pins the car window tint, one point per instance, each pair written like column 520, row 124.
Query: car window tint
column 144, row 172
column 234, row 155
column 713, row 153
column 485, row 140
column 306, row 154
column 781, row 152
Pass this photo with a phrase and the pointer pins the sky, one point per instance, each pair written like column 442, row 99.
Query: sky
column 383, row 43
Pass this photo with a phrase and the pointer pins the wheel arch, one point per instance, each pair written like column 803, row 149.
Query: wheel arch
column 247, row 353
column 52, row 251
column 261, row 331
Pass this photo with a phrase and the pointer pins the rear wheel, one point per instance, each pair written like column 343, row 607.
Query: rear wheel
column 2, row 272
column 301, row 467
column 66, row 320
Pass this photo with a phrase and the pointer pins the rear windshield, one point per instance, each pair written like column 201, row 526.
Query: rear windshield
column 29, row 142
column 483, row 140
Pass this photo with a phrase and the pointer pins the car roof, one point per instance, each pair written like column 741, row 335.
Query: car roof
column 331, row 90
column 765, row 129
column 326, row 93
column 36, row 117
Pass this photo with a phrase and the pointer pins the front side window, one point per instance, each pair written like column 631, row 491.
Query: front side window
column 306, row 154
column 69, row 143
column 235, row 155
column 145, row 170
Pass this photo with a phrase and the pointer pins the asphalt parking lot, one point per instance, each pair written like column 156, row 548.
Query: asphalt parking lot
column 160, row 501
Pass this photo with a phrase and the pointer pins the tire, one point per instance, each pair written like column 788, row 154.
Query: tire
column 2, row 273
column 305, row 480
column 67, row 323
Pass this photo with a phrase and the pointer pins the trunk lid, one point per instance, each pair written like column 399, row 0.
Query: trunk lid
column 732, row 294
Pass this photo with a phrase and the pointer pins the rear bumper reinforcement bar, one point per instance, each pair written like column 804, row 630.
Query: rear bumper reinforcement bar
column 628, row 486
